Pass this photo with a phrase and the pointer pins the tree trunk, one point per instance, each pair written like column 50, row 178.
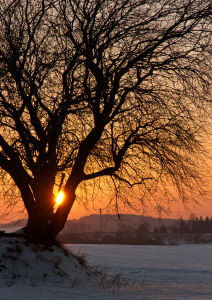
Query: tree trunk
column 38, row 227
column 61, row 215
column 44, row 225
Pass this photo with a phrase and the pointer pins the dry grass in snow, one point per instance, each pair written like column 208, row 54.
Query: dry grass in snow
column 33, row 264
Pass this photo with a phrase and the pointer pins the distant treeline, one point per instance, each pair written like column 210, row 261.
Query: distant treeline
column 119, row 237
column 142, row 236
column 194, row 225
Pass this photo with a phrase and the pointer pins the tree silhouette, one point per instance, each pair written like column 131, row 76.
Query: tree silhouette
column 100, row 94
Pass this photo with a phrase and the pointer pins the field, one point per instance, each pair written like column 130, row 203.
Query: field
column 133, row 272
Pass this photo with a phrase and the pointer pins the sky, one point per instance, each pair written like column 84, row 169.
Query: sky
column 177, row 211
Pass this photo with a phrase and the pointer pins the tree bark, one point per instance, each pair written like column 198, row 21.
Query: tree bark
column 43, row 224
column 38, row 227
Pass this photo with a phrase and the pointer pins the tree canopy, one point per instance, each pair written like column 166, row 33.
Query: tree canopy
column 101, row 93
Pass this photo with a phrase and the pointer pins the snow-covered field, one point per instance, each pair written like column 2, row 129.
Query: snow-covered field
column 167, row 272
column 159, row 272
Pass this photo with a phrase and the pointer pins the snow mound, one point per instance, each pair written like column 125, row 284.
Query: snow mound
column 30, row 264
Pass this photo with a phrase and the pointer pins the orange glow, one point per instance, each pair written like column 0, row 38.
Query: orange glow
column 60, row 197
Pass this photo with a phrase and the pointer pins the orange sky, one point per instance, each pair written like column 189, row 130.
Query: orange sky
column 177, row 210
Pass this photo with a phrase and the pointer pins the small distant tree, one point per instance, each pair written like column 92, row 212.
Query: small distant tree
column 100, row 94
column 155, row 230
column 184, row 227
column 163, row 229
column 174, row 229
column 198, row 225
column 194, row 223
column 141, row 229
column 207, row 225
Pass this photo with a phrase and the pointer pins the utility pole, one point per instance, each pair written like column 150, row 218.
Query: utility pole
column 160, row 217
column 159, row 209
column 100, row 211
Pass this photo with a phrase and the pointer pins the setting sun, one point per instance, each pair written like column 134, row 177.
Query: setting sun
column 60, row 197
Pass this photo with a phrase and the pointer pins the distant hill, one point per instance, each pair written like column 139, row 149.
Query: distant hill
column 108, row 223
column 18, row 223
column 112, row 223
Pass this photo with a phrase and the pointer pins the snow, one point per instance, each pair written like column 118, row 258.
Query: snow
column 10, row 229
column 159, row 272
column 29, row 271
column 36, row 265
column 167, row 272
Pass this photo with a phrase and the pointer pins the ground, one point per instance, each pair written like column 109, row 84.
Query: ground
column 30, row 264
column 37, row 271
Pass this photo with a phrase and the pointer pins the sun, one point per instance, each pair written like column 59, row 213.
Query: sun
column 60, row 197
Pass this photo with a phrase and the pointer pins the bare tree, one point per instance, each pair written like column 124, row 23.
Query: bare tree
column 101, row 93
